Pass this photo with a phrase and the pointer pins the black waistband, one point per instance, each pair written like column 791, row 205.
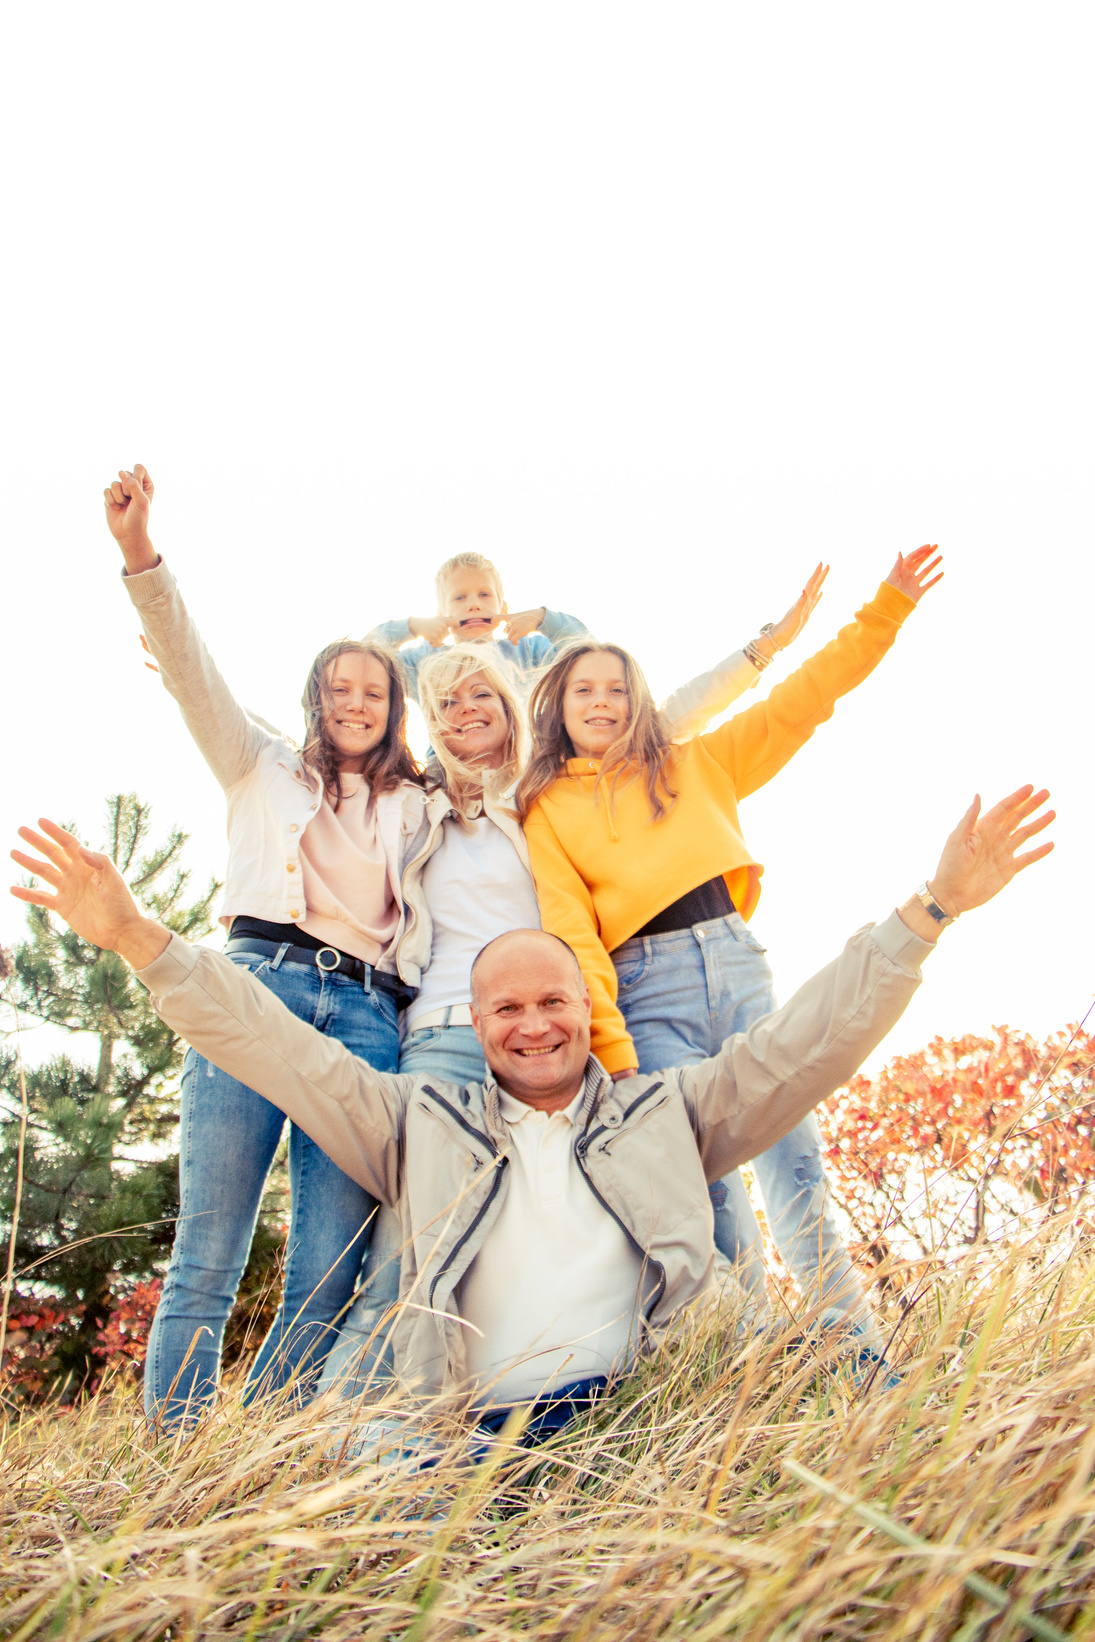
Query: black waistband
column 242, row 924
column 329, row 960
column 710, row 900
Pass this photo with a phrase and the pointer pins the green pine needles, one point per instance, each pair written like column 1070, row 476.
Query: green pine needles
column 100, row 1188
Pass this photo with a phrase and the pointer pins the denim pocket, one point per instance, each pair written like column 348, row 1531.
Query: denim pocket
column 630, row 970
column 384, row 1005
column 423, row 1035
column 745, row 935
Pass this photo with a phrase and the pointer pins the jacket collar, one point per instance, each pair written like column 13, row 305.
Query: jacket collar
column 599, row 1090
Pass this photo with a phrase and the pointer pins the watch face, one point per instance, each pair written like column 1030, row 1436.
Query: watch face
column 930, row 904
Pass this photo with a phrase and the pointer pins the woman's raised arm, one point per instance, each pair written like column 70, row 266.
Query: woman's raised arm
column 228, row 740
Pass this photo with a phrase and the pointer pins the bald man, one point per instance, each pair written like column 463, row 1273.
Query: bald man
column 551, row 1218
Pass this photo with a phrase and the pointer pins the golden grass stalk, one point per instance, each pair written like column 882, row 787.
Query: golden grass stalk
column 686, row 1505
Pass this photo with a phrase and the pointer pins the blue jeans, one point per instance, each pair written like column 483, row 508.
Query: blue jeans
column 681, row 995
column 227, row 1140
column 448, row 1052
column 361, row 1355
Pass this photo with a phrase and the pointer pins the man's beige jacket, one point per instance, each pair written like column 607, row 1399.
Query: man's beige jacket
column 648, row 1146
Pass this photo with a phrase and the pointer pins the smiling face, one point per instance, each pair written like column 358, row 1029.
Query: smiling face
column 531, row 1014
column 357, row 717
column 596, row 704
column 475, row 728
column 472, row 603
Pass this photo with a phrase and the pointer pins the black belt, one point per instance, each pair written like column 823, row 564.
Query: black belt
column 358, row 970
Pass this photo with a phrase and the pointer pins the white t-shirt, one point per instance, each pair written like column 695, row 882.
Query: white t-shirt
column 553, row 1295
column 476, row 887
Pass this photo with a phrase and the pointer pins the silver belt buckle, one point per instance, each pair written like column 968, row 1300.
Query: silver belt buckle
column 328, row 968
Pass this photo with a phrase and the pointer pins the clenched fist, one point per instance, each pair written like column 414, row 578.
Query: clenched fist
column 128, row 501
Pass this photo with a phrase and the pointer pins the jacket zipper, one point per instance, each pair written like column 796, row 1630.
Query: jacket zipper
column 457, row 1117
column 459, row 1244
column 635, row 1104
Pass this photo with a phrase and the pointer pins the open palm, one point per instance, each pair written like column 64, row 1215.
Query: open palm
column 91, row 894
column 979, row 857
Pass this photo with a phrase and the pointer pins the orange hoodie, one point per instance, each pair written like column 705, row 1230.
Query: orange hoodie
column 604, row 868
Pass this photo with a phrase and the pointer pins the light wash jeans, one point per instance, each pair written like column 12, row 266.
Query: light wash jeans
column 681, row 995
column 227, row 1140
column 362, row 1355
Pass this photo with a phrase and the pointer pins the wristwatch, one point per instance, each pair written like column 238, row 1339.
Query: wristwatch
column 931, row 905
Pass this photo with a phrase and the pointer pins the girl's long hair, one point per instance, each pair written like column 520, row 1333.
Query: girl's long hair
column 391, row 760
column 438, row 677
column 643, row 749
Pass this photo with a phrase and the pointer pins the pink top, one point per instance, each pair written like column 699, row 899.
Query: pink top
column 347, row 893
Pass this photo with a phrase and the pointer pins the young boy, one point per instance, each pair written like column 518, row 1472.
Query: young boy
column 470, row 606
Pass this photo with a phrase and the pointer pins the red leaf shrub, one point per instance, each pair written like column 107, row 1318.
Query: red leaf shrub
column 123, row 1342
column 35, row 1333
column 957, row 1141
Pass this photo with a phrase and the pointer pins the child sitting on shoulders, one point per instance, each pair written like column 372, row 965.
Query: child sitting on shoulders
column 471, row 606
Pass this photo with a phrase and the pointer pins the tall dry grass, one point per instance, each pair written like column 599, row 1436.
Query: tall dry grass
column 680, row 1508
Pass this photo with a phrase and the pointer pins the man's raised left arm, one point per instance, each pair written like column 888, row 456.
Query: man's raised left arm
column 764, row 1081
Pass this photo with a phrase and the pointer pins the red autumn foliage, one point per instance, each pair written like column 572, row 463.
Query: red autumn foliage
column 35, row 1331
column 123, row 1343
column 963, row 1139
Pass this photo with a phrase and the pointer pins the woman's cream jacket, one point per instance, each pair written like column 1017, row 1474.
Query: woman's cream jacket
column 272, row 794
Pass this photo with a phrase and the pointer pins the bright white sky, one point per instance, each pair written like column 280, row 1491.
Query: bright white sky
column 656, row 306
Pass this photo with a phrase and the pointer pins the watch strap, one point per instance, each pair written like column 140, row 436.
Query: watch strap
column 931, row 906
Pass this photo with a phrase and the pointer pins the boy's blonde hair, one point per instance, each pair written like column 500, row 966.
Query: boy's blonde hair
column 465, row 561
column 437, row 679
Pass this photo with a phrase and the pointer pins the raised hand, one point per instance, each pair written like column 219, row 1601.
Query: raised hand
column 434, row 629
column 524, row 622
column 911, row 572
column 787, row 630
column 979, row 856
column 90, row 894
column 128, row 501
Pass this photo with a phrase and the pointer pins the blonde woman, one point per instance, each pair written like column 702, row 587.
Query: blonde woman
column 642, row 868
column 471, row 879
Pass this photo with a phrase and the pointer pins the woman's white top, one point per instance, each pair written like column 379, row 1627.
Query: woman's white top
column 476, row 887
column 348, row 898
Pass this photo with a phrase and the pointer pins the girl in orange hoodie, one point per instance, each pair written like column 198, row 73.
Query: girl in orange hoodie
column 641, row 866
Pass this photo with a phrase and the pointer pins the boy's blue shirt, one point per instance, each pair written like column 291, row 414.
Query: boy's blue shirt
column 520, row 660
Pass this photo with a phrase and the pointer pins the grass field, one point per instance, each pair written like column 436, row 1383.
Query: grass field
column 679, row 1509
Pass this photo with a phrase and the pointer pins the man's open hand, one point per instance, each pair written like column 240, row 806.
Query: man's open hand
column 979, row 857
column 128, row 501
column 91, row 895
column 912, row 574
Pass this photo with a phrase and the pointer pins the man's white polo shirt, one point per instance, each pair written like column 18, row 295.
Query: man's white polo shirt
column 551, row 1295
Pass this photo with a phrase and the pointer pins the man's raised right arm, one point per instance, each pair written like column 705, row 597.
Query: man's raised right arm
column 353, row 1112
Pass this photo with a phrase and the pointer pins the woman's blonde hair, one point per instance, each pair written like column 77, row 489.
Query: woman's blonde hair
column 391, row 760
column 438, row 677
column 643, row 749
